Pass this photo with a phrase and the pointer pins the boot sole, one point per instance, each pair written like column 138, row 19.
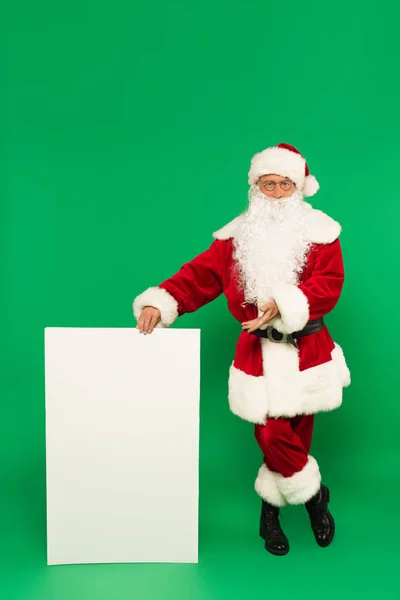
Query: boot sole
column 276, row 552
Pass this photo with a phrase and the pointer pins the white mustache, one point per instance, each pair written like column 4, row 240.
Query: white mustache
column 260, row 204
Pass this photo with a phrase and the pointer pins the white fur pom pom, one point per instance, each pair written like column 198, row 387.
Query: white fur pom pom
column 311, row 186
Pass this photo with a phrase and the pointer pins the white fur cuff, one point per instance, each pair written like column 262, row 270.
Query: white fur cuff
column 159, row 298
column 301, row 486
column 266, row 487
column 293, row 308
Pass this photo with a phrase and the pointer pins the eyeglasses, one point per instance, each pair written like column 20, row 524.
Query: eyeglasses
column 271, row 185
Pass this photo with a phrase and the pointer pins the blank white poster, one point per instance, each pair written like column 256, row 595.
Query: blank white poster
column 122, row 445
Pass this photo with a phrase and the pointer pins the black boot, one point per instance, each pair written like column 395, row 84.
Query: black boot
column 322, row 522
column 276, row 541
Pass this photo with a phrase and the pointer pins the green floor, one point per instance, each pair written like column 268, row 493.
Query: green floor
column 362, row 561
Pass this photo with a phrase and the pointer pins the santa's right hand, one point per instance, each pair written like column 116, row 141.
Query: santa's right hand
column 149, row 318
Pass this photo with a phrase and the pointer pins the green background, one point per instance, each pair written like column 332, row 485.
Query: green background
column 126, row 132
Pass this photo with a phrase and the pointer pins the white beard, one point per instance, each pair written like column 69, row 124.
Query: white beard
column 271, row 244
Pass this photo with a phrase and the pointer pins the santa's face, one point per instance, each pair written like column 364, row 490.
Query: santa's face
column 271, row 244
column 275, row 186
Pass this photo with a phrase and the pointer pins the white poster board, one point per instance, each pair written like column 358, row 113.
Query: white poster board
column 122, row 445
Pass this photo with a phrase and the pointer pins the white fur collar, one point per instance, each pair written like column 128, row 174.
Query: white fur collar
column 322, row 229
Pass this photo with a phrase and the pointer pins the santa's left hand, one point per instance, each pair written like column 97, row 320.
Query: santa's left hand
column 270, row 310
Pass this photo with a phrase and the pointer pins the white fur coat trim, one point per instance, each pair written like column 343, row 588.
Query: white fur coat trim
column 301, row 486
column 159, row 298
column 285, row 391
column 266, row 486
column 321, row 228
column 247, row 396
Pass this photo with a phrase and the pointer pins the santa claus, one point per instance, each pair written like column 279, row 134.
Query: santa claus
column 280, row 267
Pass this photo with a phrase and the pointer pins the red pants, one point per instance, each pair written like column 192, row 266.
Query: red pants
column 285, row 443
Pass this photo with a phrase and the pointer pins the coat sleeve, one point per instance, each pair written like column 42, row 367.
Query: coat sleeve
column 197, row 283
column 317, row 295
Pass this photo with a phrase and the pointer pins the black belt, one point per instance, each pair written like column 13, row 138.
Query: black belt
column 276, row 336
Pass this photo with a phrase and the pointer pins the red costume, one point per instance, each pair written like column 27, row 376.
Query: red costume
column 276, row 386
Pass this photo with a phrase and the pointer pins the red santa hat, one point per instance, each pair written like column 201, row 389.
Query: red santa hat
column 286, row 161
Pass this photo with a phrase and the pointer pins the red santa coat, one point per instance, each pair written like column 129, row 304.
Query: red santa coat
column 268, row 379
